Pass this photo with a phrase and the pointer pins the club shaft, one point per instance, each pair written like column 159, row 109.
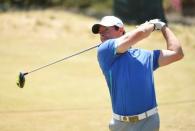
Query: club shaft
column 65, row 58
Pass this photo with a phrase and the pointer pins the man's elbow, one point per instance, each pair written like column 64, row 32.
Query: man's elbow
column 179, row 55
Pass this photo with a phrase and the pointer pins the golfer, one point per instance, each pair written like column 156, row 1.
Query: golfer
column 129, row 71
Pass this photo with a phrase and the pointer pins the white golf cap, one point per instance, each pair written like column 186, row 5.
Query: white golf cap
column 107, row 21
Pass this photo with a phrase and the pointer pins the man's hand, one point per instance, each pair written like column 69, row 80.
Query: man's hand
column 158, row 25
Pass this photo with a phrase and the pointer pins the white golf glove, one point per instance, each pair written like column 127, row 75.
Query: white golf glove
column 158, row 24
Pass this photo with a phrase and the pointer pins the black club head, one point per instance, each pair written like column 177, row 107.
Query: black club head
column 21, row 80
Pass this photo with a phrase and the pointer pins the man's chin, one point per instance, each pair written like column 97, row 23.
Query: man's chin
column 103, row 39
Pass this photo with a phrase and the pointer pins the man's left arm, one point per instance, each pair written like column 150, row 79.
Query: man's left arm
column 174, row 50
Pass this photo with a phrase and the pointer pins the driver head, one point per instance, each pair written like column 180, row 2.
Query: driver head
column 21, row 80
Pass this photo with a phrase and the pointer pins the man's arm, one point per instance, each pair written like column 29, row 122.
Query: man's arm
column 131, row 38
column 174, row 50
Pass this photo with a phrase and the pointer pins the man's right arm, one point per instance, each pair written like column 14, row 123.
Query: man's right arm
column 131, row 38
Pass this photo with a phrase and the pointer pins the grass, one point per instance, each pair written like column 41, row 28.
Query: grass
column 72, row 95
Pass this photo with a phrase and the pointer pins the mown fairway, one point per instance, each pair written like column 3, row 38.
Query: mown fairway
column 72, row 95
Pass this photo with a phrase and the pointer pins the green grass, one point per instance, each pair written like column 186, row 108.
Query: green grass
column 72, row 95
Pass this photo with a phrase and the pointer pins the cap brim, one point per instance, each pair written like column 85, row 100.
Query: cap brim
column 95, row 28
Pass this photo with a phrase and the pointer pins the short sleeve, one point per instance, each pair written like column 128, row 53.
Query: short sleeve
column 156, row 54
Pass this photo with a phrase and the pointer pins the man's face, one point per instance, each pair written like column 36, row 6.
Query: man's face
column 108, row 33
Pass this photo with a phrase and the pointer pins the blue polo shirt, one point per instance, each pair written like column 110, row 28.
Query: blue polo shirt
column 129, row 77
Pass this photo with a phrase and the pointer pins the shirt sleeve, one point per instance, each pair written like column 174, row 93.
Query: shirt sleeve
column 156, row 54
column 107, row 54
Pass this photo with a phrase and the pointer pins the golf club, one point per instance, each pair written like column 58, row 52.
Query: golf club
column 21, row 76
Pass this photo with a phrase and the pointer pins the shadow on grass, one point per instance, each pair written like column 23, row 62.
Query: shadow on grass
column 177, row 102
column 54, row 110
column 99, row 13
column 171, row 103
column 91, row 12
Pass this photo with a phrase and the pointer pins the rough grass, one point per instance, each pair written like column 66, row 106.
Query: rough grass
column 72, row 95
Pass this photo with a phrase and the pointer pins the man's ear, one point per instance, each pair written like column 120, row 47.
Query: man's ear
column 122, row 30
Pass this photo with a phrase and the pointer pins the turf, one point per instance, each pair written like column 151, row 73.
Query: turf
column 72, row 95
